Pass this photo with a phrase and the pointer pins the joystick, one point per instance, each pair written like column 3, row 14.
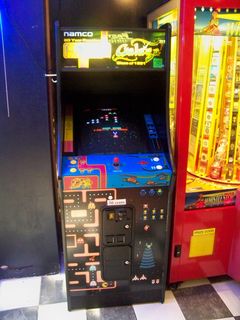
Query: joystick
column 116, row 162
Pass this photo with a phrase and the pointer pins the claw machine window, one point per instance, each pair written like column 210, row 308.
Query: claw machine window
column 214, row 141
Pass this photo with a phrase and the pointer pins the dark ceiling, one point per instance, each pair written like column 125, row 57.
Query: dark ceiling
column 103, row 13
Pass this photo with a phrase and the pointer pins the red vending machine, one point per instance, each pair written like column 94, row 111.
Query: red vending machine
column 205, row 124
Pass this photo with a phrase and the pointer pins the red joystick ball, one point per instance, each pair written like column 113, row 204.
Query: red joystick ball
column 116, row 162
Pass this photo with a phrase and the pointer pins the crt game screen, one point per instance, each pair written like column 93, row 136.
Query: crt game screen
column 108, row 130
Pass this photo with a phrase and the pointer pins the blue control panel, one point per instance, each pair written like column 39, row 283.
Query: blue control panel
column 115, row 171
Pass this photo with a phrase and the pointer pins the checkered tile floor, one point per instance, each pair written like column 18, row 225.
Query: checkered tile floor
column 44, row 298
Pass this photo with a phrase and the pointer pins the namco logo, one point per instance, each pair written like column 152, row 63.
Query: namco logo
column 87, row 34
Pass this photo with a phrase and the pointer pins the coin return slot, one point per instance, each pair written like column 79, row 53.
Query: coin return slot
column 110, row 239
column 120, row 239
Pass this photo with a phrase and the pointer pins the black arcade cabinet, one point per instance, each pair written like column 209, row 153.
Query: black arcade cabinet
column 115, row 164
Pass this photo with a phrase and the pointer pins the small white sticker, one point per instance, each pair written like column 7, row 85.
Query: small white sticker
column 117, row 202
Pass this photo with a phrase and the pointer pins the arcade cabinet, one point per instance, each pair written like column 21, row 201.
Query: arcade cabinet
column 204, row 107
column 115, row 164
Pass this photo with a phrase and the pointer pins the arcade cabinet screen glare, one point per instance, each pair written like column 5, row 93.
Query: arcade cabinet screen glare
column 108, row 130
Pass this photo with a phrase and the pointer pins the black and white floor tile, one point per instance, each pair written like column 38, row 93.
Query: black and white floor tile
column 44, row 298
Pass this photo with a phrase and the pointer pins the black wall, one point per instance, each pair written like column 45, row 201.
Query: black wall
column 28, row 238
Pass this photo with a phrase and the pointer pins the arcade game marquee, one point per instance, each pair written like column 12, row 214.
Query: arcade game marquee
column 204, row 107
column 115, row 164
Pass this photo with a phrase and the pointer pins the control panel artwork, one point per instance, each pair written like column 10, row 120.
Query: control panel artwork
column 115, row 171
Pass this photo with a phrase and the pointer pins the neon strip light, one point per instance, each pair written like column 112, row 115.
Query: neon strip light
column 4, row 66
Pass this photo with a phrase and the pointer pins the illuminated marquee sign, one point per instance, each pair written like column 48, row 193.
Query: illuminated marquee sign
column 138, row 48
column 87, row 49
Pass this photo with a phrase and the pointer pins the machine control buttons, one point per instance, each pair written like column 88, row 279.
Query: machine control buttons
column 127, row 226
column 159, row 167
column 156, row 159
